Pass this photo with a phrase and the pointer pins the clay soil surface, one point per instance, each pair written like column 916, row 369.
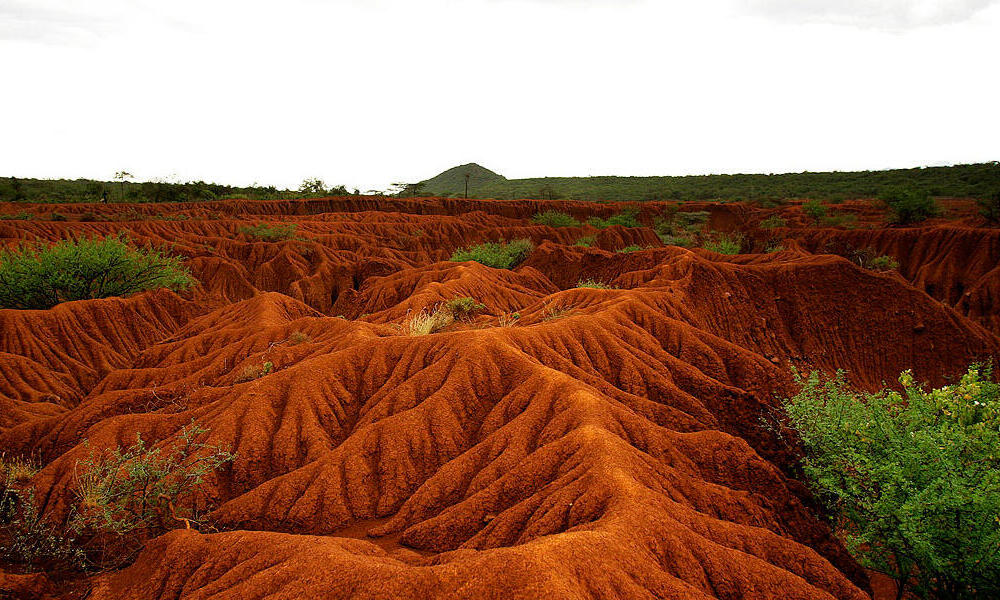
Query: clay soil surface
column 601, row 443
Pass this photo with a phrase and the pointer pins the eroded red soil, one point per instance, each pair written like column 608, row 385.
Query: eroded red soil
column 608, row 444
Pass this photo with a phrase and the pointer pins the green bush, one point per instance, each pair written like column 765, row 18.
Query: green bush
column 463, row 307
column 593, row 283
column 631, row 248
column 586, row 241
column 684, row 241
column 725, row 244
column 36, row 276
column 554, row 218
column 883, row 263
column 911, row 480
column 499, row 255
column 815, row 210
column 627, row 218
column 909, row 205
column 271, row 232
column 773, row 222
column 990, row 208
column 21, row 216
column 692, row 221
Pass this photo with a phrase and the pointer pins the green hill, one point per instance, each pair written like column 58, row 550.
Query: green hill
column 975, row 180
column 452, row 181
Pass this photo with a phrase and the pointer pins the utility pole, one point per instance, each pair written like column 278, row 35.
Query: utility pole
column 466, row 186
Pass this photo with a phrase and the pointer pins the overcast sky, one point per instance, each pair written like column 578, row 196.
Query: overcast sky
column 368, row 92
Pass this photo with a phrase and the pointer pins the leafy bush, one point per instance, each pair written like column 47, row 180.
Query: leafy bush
column 627, row 218
column 593, row 283
column 251, row 372
column 684, row 241
column 554, row 218
column 692, row 221
column 463, row 307
column 499, row 255
column 21, row 216
column 586, row 241
column 815, row 210
column 271, row 232
column 990, row 208
column 911, row 480
column 631, row 248
column 725, row 244
column 31, row 541
column 773, row 222
column 883, row 263
column 909, row 205
column 35, row 276
column 774, row 246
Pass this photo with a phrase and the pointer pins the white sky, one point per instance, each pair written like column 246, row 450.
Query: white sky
column 367, row 92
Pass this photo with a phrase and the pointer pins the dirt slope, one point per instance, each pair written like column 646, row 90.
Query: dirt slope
column 605, row 444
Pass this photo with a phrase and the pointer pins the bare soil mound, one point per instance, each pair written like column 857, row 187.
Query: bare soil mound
column 561, row 442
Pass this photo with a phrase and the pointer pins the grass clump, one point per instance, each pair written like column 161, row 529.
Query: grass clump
column 725, row 244
column 773, row 222
column 908, row 205
column 270, row 232
column 554, row 218
column 21, row 216
column 298, row 337
column 508, row 319
column 626, row 218
column 911, row 480
column 251, row 372
column 883, row 263
column 499, row 255
column 815, row 210
column 630, row 248
column 426, row 321
column 586, row 241
column 36, row 276
column 593, row 283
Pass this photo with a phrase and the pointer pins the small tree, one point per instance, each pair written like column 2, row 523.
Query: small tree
column 313, row 185
column 990, row 208
column 815, row 209
column 912, row 479
column 909, row 205
column 36, row 276
column 122, row 177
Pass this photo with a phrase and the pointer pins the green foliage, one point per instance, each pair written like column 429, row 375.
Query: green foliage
column 120, row 190
column 29, row 540
column 626, row 218
column 20, row 216
column 815, row 210
column 840, row 220
column 452, row 181
column 966, row 181
column 883, row 263
column 593, row 283
column 773, row 222
column 463, row 307
column 554, row 218
column 35, row 276
column 270, row 232
column 586, row 241
column 990, row 208
column 692, row 220
column 684, row 241
column 631, row 248
column 909, row 205
column 774, row 246
column 725, row 244
column 912, row 479
column 251, row 372
column 57, row 216
column 499, row 255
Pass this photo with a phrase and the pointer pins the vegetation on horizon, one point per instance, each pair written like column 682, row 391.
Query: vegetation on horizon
column 38, row 276
column 911, row 480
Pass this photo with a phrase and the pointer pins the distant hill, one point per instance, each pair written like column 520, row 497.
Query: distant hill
column 452, row 181
column 975, row 180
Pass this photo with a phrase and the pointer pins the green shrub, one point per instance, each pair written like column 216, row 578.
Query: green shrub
column 627, row 218
column 463, row 307
column 692, row 221
column 684, row 241
column 593, row 283
column 554, row 218
column 883, row 263
column 911, row 480
column 270, row 232
column 58, row 217
column 586, row 241
column 774, row 246
column 909, row 205
column 21, row 216
column 840, row 220
column 35, row 276
column 31, row 541
column 499, row 255
column 631, row 248
column 725, row 244
column 251, row 372
column 815, row 210
column 773, row 222
column 990, row 208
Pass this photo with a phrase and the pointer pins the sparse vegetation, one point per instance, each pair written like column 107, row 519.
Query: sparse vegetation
column 815, row 210
column 508, row 319
column 630, row 248
column 773, row 222
column 298, row 337
column 883, row 263
column 554, row 218
column 499, row 255
column 270, row 232
column 36, row 276
column 593, row 283
column 20, row 216
column 911, row 480
column 251, row 372
column 586, row 241
column 429, row 321
column 463, row 308
column 909, row 205
column 725, row 244
column 989, row 208
column 557, row 312
column 626, row 218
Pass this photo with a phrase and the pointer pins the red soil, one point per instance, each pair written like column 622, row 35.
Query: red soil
column 608, row 445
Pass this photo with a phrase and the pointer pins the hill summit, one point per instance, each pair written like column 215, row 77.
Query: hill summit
column 452, row 181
